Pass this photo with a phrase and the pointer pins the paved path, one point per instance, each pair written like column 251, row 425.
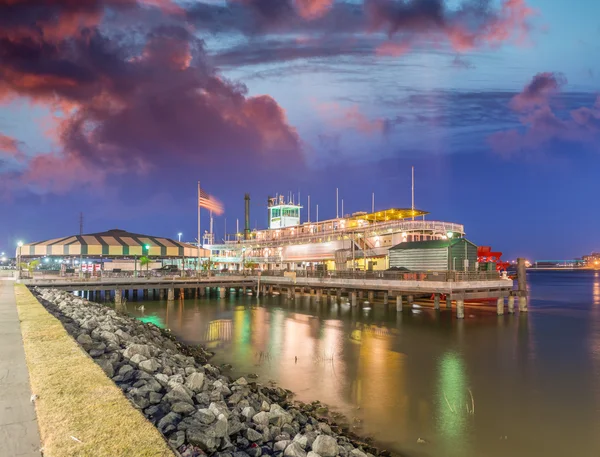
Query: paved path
column 19, row 435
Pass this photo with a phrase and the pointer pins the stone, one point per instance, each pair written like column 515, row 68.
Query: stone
column 278, row 416
column 162, row 378
column 254, row 451
column 203, row 399
column 253, row 435
column 85, row 341
column 204, row 439
column 169, row 421
column 241, row 382
column 182, row 408
column 177, row 439
column 325, row 446
column 313, row 454
column 205, row 416
column 261, row 418
column 109, row 336
column 125, row 369
column 141, row 349
column 106, row 367
column 219, row 408
column 325, row 428
column 136, row 359
column 294, row 450
column 155, row 398
column 177, row 394
column 195, row 382
column 220, row 427
column 301, row 440
column 280, row 446
column 265, row 406
column 149, row 366
column 248, row 412
column 357, row 453
column 234, row 427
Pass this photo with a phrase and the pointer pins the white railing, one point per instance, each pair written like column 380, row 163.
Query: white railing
column 379, row 228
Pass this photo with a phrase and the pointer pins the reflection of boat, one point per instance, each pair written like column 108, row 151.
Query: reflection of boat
column 356, row 335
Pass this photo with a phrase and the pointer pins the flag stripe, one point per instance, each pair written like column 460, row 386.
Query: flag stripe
column 209, row 202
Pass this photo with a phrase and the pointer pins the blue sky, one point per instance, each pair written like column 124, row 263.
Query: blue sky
column 343, row 116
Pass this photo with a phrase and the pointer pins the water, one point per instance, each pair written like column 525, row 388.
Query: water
column 488, row 386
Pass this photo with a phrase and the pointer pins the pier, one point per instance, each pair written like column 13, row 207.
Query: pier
column 400, row 288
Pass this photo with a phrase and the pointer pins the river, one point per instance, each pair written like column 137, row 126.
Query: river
column 487, row 386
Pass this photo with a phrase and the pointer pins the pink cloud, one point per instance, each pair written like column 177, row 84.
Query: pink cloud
column 352, row 118
column 313, row 9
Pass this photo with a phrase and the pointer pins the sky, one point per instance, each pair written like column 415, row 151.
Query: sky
column 117, row 108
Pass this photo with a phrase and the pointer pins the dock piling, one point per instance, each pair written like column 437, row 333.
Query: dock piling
column 399, row 303
column 500, row 306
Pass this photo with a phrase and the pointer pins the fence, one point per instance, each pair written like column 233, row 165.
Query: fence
column 443, row 276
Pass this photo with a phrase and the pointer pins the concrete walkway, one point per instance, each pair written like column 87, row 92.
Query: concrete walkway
column 19, row 434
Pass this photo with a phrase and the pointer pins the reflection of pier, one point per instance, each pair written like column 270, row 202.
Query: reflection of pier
column 219, row 330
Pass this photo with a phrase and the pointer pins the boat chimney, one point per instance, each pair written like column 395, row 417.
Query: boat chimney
column 247, row 217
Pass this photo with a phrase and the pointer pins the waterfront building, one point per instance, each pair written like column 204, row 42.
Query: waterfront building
column 359, row 240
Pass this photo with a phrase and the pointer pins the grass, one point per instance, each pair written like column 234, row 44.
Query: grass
column 80, row 411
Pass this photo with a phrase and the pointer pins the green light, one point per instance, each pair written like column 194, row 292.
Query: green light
column 147, row 246
column 449, row 234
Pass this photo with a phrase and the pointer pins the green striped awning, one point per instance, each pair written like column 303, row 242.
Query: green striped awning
column 112, row 243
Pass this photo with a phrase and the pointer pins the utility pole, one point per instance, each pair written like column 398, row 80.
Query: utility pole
column 81, row 245
column 413, row 193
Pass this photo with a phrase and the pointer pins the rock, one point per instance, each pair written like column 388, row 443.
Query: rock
column 253, row 376
column 195, row 382
column 162, row 378
column 203, row 399
column 85, row 341
column 325, row 428
column 204, row 439
column 125, row 369
column 177, row 394
column 234, row 427
column 253, row 435
column 205, row 415
column 141, row 349
column 278, row 416
column 325, row 446
column 313, row 454
column 294, row 450
column 220, row 427
column 261, row 418
column 149, row 366
column 182, row 408
column 254, row 451
column 280, row 446
column 301, row 440
column 169, row 422
column 155, row 398
column 106, row 367
column 219, row 408
column 136, row 359
column 177, row 439
column 241, row 382
column 109, row 336
column 248, row 412
column 357, row 453
column 265, row 406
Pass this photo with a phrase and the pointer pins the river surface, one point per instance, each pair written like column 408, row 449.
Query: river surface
column 487, row 386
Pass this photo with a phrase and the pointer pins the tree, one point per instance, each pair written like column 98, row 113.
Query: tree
column 145, row 260
column 207, row 264
column 249, row 265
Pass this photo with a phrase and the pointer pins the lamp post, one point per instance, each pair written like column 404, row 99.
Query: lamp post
column 20, row 245
column 179, row 235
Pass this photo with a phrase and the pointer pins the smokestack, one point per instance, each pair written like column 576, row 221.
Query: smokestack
column 247, row 217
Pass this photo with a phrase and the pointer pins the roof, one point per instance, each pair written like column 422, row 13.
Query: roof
column 431, row 244
column 112, row 243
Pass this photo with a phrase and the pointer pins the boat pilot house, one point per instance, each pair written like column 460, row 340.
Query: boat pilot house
column 456, row 254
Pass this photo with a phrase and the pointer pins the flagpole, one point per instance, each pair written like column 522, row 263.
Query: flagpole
column 199, row 239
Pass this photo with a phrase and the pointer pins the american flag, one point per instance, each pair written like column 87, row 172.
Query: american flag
column 209, row 202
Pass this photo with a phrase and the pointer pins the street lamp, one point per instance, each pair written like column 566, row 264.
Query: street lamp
column 179, row 235
column 20, row 244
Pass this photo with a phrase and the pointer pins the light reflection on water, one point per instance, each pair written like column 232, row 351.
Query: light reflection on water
column 522, row 385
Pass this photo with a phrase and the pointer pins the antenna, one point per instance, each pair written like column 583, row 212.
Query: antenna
column 80, row 224
column 413, row 193
column 337, row 214
column 373, row 203
column 309, row 208
column 317, row 214
column 342, row 207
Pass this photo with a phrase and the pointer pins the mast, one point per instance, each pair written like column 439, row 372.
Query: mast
column 337, row 214
column 199, row 236
column 413, row 193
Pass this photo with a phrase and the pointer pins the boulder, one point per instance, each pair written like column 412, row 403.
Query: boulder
column 325, row 446
column 205, row 416
column 261, row 418
column 177, row 439
column 280, row 446
column 278, row 416
column 301, row 440
column 149, row 366
column 141, row 349
column 203, row 438
column 177, row 394
column 168, row 423
column 195, row 382
column 248, row 412
column 106, row 367
column 357, row 453
column 220, row 427
column 253, row 435
column 136, row 359
column 85, row 341
column 294, row 450
column 182, row 408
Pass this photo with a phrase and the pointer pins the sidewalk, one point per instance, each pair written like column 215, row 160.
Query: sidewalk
column 19, row 435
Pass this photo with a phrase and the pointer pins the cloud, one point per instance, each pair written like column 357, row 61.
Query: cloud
column 538, row 91
column 132, row 98
column 351, row 117
column 542, row 126
column 461, row 62
column 11, row 148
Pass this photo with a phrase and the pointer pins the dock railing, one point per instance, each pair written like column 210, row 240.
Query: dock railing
column 441, row 276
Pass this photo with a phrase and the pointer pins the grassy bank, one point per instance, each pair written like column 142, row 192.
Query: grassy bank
column 80, row 411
